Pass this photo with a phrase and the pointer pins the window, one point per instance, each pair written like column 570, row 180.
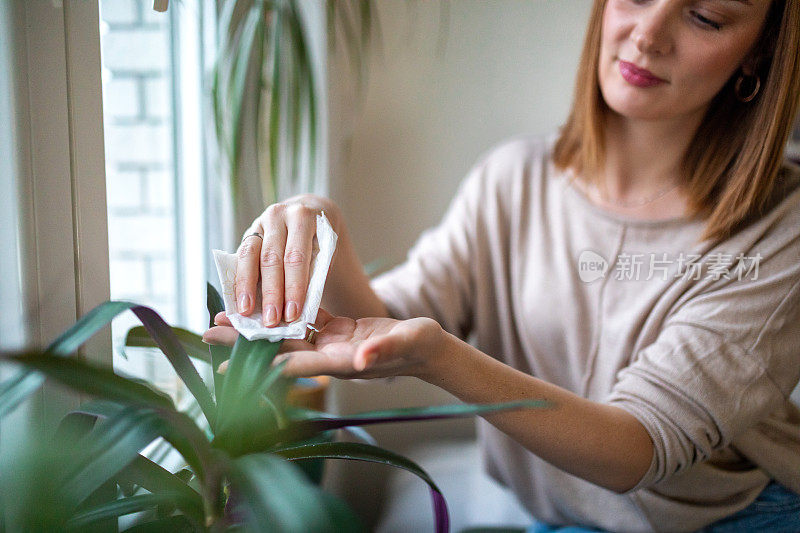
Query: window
column 155, row 172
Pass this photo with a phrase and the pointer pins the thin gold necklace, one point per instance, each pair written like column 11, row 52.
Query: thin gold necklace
column 635, row 203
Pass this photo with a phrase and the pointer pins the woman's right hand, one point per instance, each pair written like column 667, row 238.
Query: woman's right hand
column 282, row 260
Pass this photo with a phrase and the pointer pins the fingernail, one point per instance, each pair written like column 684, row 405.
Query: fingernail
column 244, row 302
column 280, row 359
column 203, row 338
column 272, row 316
column 291, row 311
column 362, row 363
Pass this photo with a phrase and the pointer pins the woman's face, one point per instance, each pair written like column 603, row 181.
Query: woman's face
column 690, row 49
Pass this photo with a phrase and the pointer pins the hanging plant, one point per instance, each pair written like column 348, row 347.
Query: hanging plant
column 265, row 88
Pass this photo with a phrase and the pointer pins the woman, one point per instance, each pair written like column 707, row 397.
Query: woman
column 641, row 269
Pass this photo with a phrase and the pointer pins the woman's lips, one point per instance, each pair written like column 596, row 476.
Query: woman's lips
column 637, row 76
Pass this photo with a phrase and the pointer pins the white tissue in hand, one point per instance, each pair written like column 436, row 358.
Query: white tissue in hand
column 252, row 326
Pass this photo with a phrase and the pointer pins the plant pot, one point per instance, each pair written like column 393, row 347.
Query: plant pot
column 309, row 393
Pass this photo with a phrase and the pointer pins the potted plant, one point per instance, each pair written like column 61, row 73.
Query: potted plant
column 248, row 456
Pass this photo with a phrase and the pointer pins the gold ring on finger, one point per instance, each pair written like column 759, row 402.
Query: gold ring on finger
column 254, row 234
column 311, row 333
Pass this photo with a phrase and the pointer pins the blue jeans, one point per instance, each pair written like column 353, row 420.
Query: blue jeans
column 776, row 510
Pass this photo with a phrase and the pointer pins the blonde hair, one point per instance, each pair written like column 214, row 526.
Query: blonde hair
column 733, row 163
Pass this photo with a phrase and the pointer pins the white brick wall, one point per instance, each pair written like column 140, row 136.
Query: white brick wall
column 140, row 142
column 159, row 190
column 128, row 279
column 157, row 94
column 141, row 233
column 140, row 180
column 142, row 50
column 162, row 277
column 120, row 11
column 121, row 98
column 124, row 191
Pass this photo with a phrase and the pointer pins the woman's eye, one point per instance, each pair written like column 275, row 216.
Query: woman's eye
column 706, row 21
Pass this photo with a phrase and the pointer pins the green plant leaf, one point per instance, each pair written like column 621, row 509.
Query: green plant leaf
column 277, row 95
column 175, row 427
column 297, row 505
column 14, row 390
column 191, row 443
column 241, row 25
column 69, row 341
column 184, row 435
column 260, row 92
column 73, row 426
column 304, row 428
column 342, row 9
column 89, row 378
column 123, row 506
column 357, row 451
column 295, row 80
column 218, row 353
column 157, row 479
column 214, row 303
column 173, row 524
column 340, row 514
column 51, row 478
column 30, row 482
column 246, row 65
column 185, row 475
column 191, row 436
column 169, row 344
column 240, row 409
column 246, row 30
column 274, row 373
column 228, row 22
column 297, row 413
column 192, row 343
column 181, row 432
column 100, row 408
column 109, row 447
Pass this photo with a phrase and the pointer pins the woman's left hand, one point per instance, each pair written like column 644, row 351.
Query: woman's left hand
column 346, row 348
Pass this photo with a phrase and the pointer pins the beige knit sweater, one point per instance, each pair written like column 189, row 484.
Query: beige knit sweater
column 701, row 344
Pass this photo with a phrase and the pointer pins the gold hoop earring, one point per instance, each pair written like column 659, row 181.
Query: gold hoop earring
column 737, row 89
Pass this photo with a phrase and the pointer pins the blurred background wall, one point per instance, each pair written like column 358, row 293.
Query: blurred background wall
column 451, row 80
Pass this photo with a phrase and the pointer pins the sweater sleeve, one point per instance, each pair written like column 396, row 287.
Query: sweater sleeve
column 724, row 360
column 437, row 279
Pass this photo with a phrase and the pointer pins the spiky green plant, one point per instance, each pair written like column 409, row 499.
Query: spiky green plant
column 249, row 457
column 264, row 83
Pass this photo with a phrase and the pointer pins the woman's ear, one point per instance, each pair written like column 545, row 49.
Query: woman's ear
column 750, row 65
column 755, row 61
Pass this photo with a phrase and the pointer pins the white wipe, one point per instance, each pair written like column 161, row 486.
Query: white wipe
column 252, row 326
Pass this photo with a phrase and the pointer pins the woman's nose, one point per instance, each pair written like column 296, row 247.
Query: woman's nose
column 652, row 33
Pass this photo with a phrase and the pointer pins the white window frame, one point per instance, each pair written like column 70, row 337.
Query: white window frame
column 60, row 190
